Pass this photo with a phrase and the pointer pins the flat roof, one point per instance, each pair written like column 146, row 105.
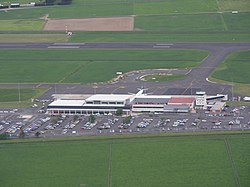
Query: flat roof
column 109, row 97
column 71, row 96
column 175, row 100
column 154, row 96
column 60, row 102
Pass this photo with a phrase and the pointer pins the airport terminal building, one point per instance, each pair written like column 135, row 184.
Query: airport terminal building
column 132, row 103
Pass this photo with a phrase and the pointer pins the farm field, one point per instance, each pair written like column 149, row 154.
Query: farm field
column 88, row 65
column 235, row 68
column 157, row 161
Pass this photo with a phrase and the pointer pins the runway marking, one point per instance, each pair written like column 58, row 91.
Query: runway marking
column 211, row 81
column 64, row 47
column 164, row 44
column 68, row 43
column 188, row 72
column 161, row 46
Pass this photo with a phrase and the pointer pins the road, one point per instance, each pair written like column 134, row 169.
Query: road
column 196, row 80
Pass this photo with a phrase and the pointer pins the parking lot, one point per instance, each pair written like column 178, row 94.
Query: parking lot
column 34, row 123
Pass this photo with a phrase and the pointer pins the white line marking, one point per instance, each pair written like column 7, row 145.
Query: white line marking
column 64, row 47
column 68, row 43
column 161, row 46
column 211, row 81
column 164, row 44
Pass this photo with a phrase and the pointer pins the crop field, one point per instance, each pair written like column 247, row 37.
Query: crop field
column 235, row 68
column 88, row 65
column 142, row 162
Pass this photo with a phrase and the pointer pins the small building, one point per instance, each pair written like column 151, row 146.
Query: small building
column 217, row 107
column 201, row 100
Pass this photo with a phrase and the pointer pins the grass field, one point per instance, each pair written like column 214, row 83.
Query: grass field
column 180, row 23
column 230, row 5
column 19, row 38
column 177, row 6
column 104, row 8
column 12, row 95
column 160, row 161
column 159, row 37
column 163, row 78
column 87, row 65
column 235, row 68
column 163, row 20
column 25, row 25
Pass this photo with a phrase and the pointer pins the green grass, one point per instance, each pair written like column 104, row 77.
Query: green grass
column 177, row 6
column 237, row 22
column 36, row 38
column 9, row 98
column 26, row 25
column 80, row 9
column 199, row 23
column 87, row 65
column 159, row 37
column 164, row 20
column 141, row 162
column 225, row 27
column 12, row 95
column 163, row 78
column 230, row 5
column 180, row 23
column 235, row 68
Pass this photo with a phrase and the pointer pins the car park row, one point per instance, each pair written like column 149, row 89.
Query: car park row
column 47, row 126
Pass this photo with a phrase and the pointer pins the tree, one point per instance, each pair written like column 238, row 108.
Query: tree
column 119, row 112
column 127, row 119
column 75, row 117
column 4, row 136
column 21, row 133
column 92, row 119
column 37, row 134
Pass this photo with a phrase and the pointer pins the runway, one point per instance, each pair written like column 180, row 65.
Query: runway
column 143, row 45
column 196, row 80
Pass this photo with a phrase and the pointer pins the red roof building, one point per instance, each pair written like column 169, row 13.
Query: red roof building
column 182, row 101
